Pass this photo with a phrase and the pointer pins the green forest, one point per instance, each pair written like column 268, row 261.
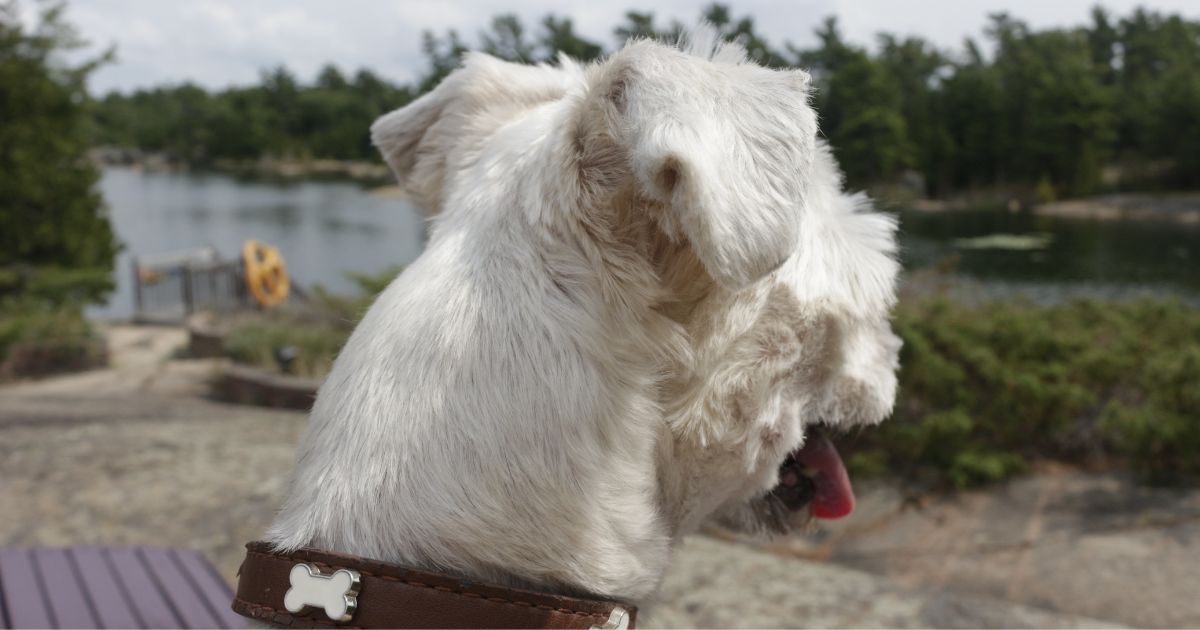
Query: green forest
column 1108, row 105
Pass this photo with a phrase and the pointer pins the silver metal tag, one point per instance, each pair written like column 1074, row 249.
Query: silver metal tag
column 336, row 594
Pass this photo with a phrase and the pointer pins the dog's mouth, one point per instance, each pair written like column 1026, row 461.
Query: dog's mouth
column 814, row 477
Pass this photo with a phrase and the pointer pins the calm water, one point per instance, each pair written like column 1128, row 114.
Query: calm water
column 323, row 229
column 1114, row 259
column 328, row 229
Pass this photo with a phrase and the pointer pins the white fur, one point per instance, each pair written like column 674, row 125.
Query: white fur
column 642, row 282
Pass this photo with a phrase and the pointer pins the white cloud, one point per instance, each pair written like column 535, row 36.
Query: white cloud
column 221, row 42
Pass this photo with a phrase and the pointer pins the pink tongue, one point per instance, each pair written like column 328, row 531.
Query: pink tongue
column 835, row 497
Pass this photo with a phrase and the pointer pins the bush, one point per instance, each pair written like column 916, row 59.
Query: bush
column 256, row 341
column 986, row 389
column 1160, row 432
column 56, row 286
column 315, row 331
column 347, row 310
column 37, row 339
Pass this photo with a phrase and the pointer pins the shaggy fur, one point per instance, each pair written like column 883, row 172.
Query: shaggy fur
column 642, row 284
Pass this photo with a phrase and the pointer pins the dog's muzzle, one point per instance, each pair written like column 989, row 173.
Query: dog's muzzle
column 815, row 478
column 309, row 588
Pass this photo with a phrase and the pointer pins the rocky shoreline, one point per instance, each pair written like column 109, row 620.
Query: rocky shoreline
column 366, row 173
column 1178, row 207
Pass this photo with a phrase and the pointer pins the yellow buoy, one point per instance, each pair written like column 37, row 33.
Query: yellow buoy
column 266, row 275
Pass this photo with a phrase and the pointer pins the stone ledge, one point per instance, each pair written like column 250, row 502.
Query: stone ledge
column 252, row 386
column 205, row 340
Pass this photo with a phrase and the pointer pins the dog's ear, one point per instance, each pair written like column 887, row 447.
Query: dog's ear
column 415, row 142
column 725, row 148
column 422, row 141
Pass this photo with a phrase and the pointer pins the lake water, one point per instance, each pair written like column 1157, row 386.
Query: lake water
column 323, row 229
column 1052, row 258
column 327, row 229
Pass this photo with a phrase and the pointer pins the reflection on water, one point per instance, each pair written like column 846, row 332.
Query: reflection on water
column 1056, row 256
column 327, row 229
column 323, row 229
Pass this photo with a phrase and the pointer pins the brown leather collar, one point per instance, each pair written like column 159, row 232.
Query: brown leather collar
column 372, row 594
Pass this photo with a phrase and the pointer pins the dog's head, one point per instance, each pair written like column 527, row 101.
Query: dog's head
column 715, row 151
column 780, row 365
column 725, row 146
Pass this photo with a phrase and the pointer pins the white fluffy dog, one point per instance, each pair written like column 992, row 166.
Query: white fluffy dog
column 643, row 288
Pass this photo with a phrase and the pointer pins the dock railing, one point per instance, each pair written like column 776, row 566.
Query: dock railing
column 169, row 287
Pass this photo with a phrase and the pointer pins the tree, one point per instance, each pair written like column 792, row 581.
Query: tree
column 859, row 106
column 917, row 71
column 636, row 26
column 279, row 91
column 641, row 26
column 52, row 218
column 444, row 56
column 506, row 40
column 1158, row 79
column 1018, row 109
column 1055, row 111
column 1102, row 39
column 559, row 36
column 330, row 78
column 742, row 31
column 970, row 105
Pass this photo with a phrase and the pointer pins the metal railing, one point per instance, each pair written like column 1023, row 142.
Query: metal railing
column 172, row 286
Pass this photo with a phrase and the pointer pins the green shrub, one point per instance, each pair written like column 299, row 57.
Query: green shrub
column 256, row 341
column 349, row 309
column 316, row 330
column 55, row 286
column 1159, row 429
column 37, row 339
column 986, row 389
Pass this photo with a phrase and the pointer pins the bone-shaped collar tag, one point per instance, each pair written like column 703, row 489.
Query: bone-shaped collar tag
column 336, row 593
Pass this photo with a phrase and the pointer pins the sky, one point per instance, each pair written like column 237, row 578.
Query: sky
column 217, row 43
